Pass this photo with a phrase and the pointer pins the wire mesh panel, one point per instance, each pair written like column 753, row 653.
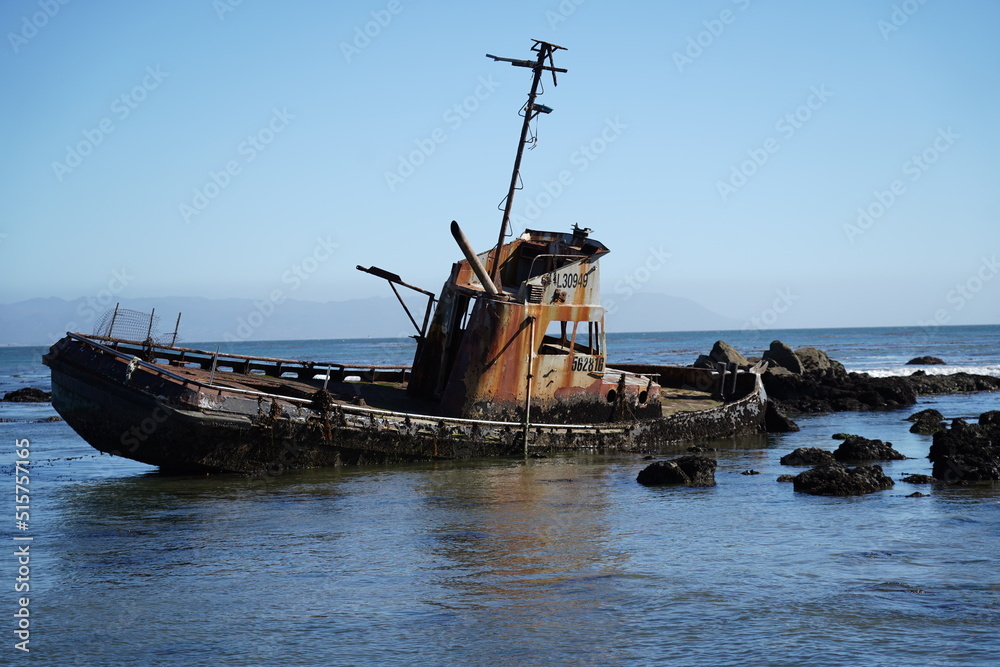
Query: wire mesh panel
column 133, row 326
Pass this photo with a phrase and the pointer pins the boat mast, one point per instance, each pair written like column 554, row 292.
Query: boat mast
column 531, row 111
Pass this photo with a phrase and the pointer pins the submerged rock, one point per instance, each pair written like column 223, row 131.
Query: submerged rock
column 27, row 395
column 687, row 470
column 856, row 448
column 807, row 456
column 925, row 361
column 836, row 479
column 968, row 452
column 926, row 421
column 786, row 478
column 923, row 415
column 920, row 479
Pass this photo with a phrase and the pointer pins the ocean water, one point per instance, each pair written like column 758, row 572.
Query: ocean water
column 562, row 560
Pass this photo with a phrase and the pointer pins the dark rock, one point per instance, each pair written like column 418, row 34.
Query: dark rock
column 955, row 383
column 836, row 479
column 808, row 381
column 857, row 448
column 750, row 472
column 689, row 470
column 929, row 413
column 916, row 494
column 843, row 436
column 807, row 456
column 918, row 374
column 990, row 418
column 721, row 352
column 920, row 479
column 784, row 356
column 27, row 395
column 926, row 421
column 967, row 452
column 776, row 421
column 786, row 478
column 830, row 393
column 925, row 361
column 704, row 361
column 817, row 362
column 726, row 353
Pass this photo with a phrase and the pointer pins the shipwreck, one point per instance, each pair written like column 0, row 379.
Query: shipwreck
column 511, row 359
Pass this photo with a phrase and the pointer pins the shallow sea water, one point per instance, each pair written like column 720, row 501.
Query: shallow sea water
column 560, row 560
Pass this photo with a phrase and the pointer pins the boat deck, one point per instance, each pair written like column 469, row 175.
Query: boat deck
column 390, row 396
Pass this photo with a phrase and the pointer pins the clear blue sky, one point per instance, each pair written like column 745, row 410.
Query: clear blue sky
column 730, row 144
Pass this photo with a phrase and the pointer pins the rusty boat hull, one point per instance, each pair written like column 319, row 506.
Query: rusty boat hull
column 187, row 410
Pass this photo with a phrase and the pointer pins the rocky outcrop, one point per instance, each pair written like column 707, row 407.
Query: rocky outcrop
column 836, row 479
column 925, row 361
column 807, row 380
column 956, row 383
column 968, row 452
column 856, row 448
column 807, row 456
column 27, row 395
column 782, row 355
column 686, row 470
column 831, row 393
column 817, row 362
column 926, row 422
column 722, row 352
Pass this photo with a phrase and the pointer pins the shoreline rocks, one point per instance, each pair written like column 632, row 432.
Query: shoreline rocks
column 968, row 452
column 806, row 380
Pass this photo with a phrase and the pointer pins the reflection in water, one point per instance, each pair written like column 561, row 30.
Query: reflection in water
column 525, row 550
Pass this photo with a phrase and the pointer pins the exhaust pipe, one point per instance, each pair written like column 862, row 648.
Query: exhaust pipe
column 477, row 266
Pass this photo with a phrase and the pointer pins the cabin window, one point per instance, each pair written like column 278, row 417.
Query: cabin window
column 563, row 337
column 558, row 338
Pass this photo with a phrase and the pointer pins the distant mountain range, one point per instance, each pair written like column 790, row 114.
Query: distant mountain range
column 43, row 321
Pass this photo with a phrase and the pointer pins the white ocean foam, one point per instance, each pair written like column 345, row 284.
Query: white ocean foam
column 930, row 370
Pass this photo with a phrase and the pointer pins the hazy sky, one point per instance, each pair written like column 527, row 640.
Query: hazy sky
column 794, row 163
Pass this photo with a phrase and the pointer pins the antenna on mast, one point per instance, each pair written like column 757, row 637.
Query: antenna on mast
column 531, row 111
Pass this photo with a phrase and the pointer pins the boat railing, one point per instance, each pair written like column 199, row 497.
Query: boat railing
column 257, row 365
